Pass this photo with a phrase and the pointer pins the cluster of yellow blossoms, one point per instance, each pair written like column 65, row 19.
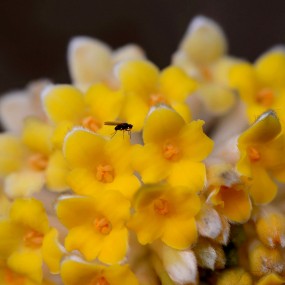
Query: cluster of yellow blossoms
column 168, row 199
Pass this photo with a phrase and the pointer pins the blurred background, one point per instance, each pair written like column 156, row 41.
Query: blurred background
column 34, row 33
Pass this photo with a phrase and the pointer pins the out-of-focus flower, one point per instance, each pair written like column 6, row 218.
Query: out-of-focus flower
column 173, row 150
column 262, row 86
column 74, row 271
column 67, row 107
column 91, row 61
column 145, row 87
column 236, row 276
column 262, row 147
column 15, row 106
column 271, row 279
column 98, row 164
column 161, row 208
column 202, row 54
column 96, row 225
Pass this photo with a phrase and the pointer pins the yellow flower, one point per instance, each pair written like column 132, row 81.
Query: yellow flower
column 261, row 149
column 159, row 209
column 202, row 53
column 237, row 276
column 96, row 225
column 74, row 271
column 145, row 87
column 229, row 194
column 67, row 107
column 173, row 150
column 98, row 164
column 91, row 61
column 262, row 86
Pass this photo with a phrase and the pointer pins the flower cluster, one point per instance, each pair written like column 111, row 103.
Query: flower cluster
column 132, row 175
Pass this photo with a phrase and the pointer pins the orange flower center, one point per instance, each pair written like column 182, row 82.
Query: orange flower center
column 102, row 225
column 38, row 161
column 156, row 98
column 161, row 206
column 265, row 97
column 206, row 73
column 105, row 173
column 33, row 239
column 253, row 154
column 170, row 151
column 99, row 281
column 13, row 278
column 91, row 124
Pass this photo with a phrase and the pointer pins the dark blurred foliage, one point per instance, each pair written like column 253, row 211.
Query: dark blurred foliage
column 34, row 33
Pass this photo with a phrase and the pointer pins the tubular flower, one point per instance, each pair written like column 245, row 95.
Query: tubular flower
column 202, row 54
column 230, row 195
column 95, row 229
column 159, row 209
column 145, row 87
column 173, row 150
column 261, row 149
column 262, row 86
column 91, row 61
column 21, row 238
column 74, row 271
column 67, row 107
column 97, row 164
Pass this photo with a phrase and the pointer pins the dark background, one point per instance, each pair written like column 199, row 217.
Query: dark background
column 34, row 33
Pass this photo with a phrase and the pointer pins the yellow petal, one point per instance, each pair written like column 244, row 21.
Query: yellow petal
column 183, row 110
column 185, row 233
column 271, row 279
column 52, row 251
column 83, row 148
column 189, row 174
column 162, row 124
column 89, row 61
column 27, row 263
column 103, row 102
column 63, row 103
column 24, row 184
column 217, row 98
column 236, row 276
column 128, row 52
column 114, row 247
column 56, row 172
column 175, row 84
column 270, row 68
column 204, row 41
column 37, row 135
column 30, row 213
column 11, row 154
column 139, row 77
column 115, row 274
column 196, row 145
column 60, row 132
column 263, row 190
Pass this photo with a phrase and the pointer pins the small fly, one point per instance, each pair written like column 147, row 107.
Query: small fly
column 125, row 127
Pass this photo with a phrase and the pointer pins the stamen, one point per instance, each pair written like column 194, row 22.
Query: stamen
column 91, row 124
column 13, row 278
column 156, row 98
column 38, row 161
column 33, row 239
column 253, row 154
column 161, row 207
column 105, row 173
column 265, row 97
column 170, row 151
column 102, row 225
column 206, row 73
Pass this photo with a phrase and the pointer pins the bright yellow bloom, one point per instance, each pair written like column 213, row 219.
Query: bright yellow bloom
column 98, row 164
column 229, row 194
column 67, row 107
column 96, row 225
column 262, row 86
column 173, row 150
column 74, row 271
column 159, row 209
column 202, row 53
column 145, row 87
column 91, row 61
column 262, row 148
